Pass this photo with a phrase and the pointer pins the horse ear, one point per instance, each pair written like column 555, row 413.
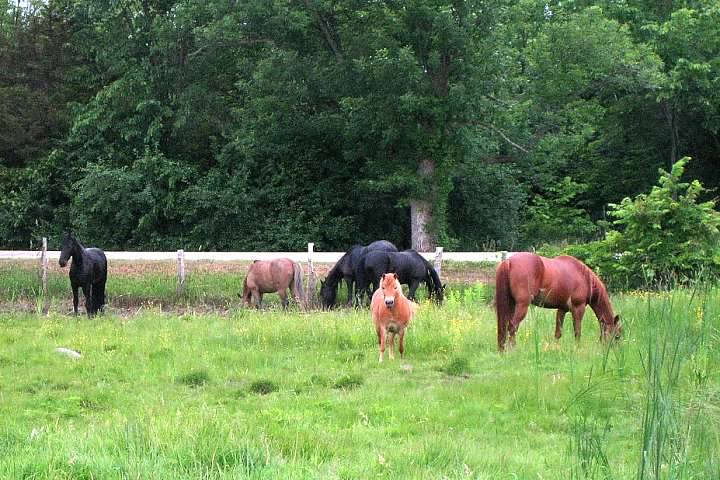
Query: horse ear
column 395, row 275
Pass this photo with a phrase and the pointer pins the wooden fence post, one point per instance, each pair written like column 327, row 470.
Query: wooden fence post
column 312, row 279
column 44, row 276
column 181, row 272
column 438, row 259
column 503, row 256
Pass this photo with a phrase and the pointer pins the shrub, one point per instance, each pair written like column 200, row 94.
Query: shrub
column 263, row 387
column 457, row 367
column 197, row 378
column 666, row 235
column 349, row 382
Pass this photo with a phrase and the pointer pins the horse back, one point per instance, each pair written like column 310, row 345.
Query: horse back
column 382, row 245
column 581, row 279
column 270, row 275
column 96, row 255
column 91, row 269
column 551, row 282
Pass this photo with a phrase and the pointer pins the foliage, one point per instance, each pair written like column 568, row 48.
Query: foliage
column 263, row 387
column 484, row 207
column 663, row 237
column 553, row 216
column 261, row 125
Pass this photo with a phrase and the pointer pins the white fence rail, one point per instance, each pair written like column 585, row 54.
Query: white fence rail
column 181, row 257
column 317, row 257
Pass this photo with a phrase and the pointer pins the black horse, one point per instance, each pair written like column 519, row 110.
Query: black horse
column 345, row 268
column 88, row 270
column 410, row 267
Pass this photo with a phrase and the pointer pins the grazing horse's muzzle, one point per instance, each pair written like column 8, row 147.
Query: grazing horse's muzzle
column 62, row 262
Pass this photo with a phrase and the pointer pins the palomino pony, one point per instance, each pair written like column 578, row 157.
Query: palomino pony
column 564, row 283
column 391, row 313
column 88, row 270
column 345, row 268
column 270, row 276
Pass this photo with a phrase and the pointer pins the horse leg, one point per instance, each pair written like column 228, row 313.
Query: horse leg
column 255, row 298
column 401, row 343
column 75, row 298
column 559, row 319
column 381, row 337
column 99, row 294
column 283, row 298
column 349, row 282
column 87, row 292
column 391, row 353
column 414, row 284
column 578, row 311
column 520, row 312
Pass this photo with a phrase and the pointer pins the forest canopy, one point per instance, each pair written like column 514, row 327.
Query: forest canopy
column 266, row 124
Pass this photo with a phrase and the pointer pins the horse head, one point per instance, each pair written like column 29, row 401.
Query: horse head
column 613, row 329
column 68, row 247
column 328, row 294
column 440, row 293
column 390, row 287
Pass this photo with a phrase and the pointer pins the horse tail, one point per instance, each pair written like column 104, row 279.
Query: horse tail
column 298, row 289
column 99, row 293
column 435, row 280
column 503, row 302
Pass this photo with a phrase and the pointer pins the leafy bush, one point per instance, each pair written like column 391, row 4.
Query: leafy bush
column 263, row 387
column 457, row 367
column 553, row 216
column 196, row 378
column 485, row 207
column 665, row 236
column 349, row 382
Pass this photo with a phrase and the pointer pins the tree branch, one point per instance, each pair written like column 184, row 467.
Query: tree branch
column 328, row 30
column 502, row 134
column 249, row 41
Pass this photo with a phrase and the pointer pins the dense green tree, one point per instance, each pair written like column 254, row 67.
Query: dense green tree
column 265, row 124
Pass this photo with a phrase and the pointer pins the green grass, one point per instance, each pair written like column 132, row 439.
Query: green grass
column 301, row 395
column 130, row 285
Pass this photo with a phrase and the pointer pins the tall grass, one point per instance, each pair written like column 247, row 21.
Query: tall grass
column 271, row 394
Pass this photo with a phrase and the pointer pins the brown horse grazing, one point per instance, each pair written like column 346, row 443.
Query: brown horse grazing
column 564, row 283
column 391, row 313
column 270, row 276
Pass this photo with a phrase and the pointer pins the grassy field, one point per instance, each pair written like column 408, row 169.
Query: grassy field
column 234, row 393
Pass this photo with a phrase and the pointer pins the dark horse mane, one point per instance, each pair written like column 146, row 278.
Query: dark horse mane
column 434, row 277
column 335, row 274
column 598, row 290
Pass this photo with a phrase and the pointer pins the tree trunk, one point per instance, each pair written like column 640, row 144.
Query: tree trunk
column 671, row 117
column 421, row 213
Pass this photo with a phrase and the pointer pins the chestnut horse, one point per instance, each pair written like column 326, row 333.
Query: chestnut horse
column 564, row 283
column 391, row 313
column 270, row 276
